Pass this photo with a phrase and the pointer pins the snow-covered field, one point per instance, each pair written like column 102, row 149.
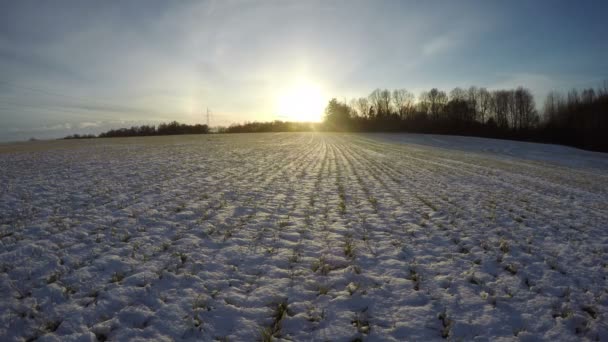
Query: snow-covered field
column 302, row 237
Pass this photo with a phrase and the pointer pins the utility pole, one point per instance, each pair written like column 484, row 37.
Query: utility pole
column 208, row 115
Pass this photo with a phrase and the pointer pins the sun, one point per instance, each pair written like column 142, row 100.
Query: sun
column 303, row 102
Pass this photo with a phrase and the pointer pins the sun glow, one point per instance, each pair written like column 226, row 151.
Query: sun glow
column 304, row 101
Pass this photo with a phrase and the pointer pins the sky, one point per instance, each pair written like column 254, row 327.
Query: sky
column 86, row 66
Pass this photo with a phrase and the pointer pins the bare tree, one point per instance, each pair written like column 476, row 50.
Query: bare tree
column 484, row 103
column 588, row 96
column 552, row 106
column 525, row 112
column 437, row 100
column 403, row 102
column 375, row 99
column 573, row 98
column 363, row 107
column 385, row 108
column 500, row 107
column 511, row 109
column 458, row 94
column 473, row 99
column 463, row 104
column 423, row 105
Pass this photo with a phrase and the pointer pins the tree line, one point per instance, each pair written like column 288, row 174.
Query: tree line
column 171, row 128
column 579, row 118
column 435, row 110
column 271, row 126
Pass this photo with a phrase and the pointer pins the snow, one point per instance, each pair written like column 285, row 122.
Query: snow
column 547, row 153
column 311, row 236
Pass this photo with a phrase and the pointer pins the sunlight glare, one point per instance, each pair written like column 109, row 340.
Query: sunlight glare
column 303, row 101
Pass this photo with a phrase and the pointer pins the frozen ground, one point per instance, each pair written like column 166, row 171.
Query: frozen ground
column 547, row 153
column 301, row 237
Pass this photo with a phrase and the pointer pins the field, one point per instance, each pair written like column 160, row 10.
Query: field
column 302, row 237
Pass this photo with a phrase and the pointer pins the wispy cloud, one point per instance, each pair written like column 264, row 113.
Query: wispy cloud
column 440, row 44
column 541, row 84
column 89, row 124
column 57, row 127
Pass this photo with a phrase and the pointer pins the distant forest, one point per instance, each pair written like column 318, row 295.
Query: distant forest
column 272, row 126
column 172, row 128
column 578, row 118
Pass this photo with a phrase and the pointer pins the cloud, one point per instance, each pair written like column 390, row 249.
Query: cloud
column 440, row 44
column 46, row 128
column 89, row 124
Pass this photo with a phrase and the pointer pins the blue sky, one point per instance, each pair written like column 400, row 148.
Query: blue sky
column 86, row 66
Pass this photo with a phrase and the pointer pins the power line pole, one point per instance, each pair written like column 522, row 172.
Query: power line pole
column 208, row 115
